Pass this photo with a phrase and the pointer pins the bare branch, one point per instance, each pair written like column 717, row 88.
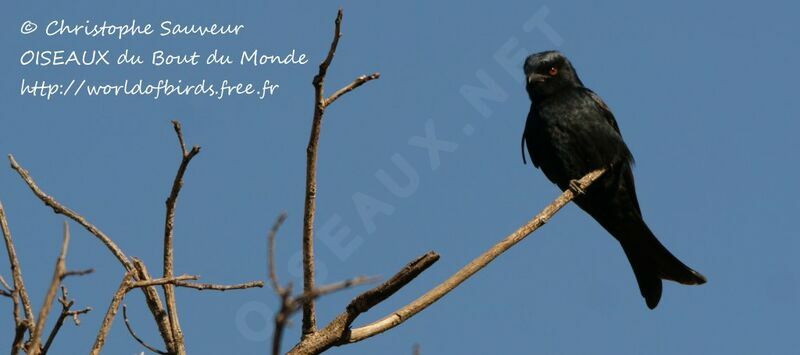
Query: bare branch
column 111, row 313
column 66, row 305
column 58, row 273
column 408, row 311
column 323, row 67
column 16, row 275
column 76, row 273
column 163, row 281
column 338, row 331
column 215, row 287
column 63, row 210
column 290, row 305
column 4, row 283
column 154, row 304
column 177, row 126
column 169, row 290
column 273, row 278
column 133, row 334
column 320, row 103
column 7, row 291
column 361, row 80
column 339, row 327
column 309, row 316
column 331, row 288
column 153, row 301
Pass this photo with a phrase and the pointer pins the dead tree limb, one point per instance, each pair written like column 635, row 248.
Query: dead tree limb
column 123, row 288
column 63, row 210
column 166, row 318
column 151, row 295
column 320, row 104
column 58, row 275
column 338, row 331
column 169, row 223
column 216, row 287
column 16, row 276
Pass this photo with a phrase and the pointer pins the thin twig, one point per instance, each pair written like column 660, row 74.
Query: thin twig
column 33, row 347
column 169, row 290
column 133, row 334
column 76, row 273
column 300, row 299
column 16, row 275
column 111, row 313
column 66, row 305
column 273, row 278
column 63, row 210
column 338, row 331
column 216, row 287
column 7, row 290
column 163, row 281
column 361, row 80
column 4, row 283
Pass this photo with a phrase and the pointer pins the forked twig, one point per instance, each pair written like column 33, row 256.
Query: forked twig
column 66, row 311
column 321, row 103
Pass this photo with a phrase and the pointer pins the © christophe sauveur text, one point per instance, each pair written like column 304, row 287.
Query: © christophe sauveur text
column 158, row 58
column 132, row 29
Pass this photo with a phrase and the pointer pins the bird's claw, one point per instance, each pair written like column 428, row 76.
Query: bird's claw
column 576, row 188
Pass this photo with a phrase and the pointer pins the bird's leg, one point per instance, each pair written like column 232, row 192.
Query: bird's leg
column 575, row 186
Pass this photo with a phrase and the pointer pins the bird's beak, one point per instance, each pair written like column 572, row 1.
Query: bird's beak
column 536, row 77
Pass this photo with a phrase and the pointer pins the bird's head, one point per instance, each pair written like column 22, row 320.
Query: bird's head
column 548, row 72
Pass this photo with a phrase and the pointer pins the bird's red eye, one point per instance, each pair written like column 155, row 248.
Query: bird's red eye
column 553, row 71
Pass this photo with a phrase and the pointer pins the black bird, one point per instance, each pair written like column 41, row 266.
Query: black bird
column 570, row 132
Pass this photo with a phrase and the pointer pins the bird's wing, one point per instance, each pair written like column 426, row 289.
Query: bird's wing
column 609, row 116
column 627, row 174
column 604, row 108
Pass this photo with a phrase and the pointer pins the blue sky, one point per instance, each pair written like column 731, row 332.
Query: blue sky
column 704, row 93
